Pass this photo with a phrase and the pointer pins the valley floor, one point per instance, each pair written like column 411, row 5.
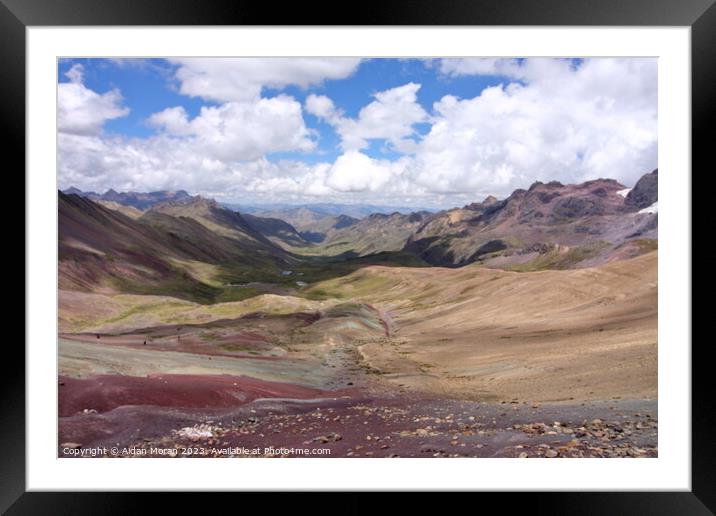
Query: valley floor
column 382, row 362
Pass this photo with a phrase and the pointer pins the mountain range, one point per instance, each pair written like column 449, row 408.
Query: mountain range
column 547, row 226
column 375, row 233
column 175, row 243
column 313, row 225
column 139, row 200
column 356, row 211
column 180, row 248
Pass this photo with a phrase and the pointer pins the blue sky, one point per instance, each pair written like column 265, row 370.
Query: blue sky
column 382, row 131
column 147, row 86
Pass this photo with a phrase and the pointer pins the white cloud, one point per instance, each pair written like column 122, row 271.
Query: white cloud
column 240, row 131
column 356, row 172
column 560, row 122
column 242, row 79
column 391, row 117
column 96, row 163
column 75, row 74
column 351, row 176
column 320, row 106
column 173, row 120
column 83, row 111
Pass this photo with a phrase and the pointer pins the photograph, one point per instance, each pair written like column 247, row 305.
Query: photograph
column 343, row 257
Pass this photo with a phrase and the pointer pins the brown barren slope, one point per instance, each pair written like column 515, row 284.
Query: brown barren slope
column 493, row 335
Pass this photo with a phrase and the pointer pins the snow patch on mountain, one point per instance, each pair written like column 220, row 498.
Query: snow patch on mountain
column 654, row 208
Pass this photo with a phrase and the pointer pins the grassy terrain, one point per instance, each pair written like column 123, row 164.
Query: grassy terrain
column 645, row 245
column 560, row 259
column 88, row 313
column 356, row 285
column 208, row 284
column 198, row 292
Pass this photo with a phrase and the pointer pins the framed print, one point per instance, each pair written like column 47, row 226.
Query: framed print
column 450, row 250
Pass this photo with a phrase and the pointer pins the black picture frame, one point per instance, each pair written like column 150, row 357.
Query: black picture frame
column 700, row 15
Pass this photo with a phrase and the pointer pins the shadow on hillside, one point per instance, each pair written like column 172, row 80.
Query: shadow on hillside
column 238, row 282
column 308, row 271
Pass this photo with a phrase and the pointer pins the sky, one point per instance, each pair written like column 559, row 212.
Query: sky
column 432, row 133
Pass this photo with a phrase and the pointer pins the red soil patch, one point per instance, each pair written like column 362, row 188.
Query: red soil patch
column 106, row 392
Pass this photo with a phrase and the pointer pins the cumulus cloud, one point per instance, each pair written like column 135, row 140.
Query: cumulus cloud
column 390, row 117
column 561, row 120
column 173, row 120
column 83, row 111
column 356, row 172
column 243, row 79
column 320, row 106
column 240, row 131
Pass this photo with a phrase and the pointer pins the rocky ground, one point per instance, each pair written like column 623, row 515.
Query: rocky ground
column 356, row 426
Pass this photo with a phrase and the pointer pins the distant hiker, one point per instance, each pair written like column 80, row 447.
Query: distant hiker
column 98, row 335
column 145, row 342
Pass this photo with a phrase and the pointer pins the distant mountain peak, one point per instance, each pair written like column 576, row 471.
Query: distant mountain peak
column 72, row 190
column 645, row 192
column 198, row 200
column 195, row 203
column 140, row 200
